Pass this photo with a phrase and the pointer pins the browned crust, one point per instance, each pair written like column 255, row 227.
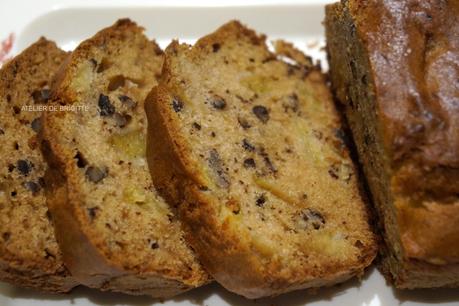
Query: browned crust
column 81, row 252
column 425, row 228
column 49, row 275
column 429, row 232
column 227, row 257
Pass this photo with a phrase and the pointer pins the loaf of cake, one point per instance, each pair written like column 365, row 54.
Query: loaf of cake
column 29, row 254
column 114, row 230
column 394, row 65
column 250, row 150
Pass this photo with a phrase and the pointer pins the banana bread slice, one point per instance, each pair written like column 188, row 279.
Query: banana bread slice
column 250, row 149
column 115, row 232
column 29, row 254
column 394, row 65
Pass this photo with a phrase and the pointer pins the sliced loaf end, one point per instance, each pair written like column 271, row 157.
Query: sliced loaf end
column 416, row 199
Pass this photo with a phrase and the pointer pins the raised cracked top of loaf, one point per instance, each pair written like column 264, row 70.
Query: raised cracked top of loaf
column 418, row 104
column 115, row 231
column 412, row 51
column 29, row 254
column 251, row 150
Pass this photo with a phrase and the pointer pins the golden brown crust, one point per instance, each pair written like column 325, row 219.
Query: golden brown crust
column 224, row 247
column 113, row 240
column 420, row 230
column 29, row 255
column 416, row 105
column 393, row 81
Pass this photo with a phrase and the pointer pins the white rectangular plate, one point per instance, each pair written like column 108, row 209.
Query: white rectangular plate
column 297, row 21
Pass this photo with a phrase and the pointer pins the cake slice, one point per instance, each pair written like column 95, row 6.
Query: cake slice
column 115, row 232
column 251, row 150
column 29, row 254
column 394, row 66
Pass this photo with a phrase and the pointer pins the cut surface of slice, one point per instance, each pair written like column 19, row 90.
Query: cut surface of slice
column 116, row 233
column 29, row 254
column 251, row 150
